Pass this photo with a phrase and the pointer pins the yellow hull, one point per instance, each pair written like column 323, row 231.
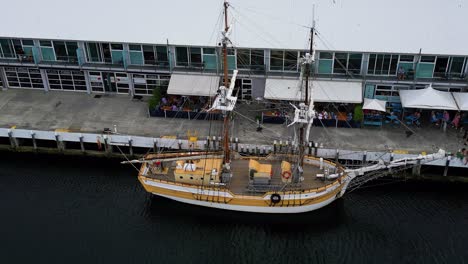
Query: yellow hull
column 291, row 201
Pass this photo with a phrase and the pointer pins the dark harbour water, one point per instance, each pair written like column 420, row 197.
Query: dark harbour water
column 78, row 210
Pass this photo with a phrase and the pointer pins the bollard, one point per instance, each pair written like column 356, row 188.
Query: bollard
column 391, row 156
column 316, row 149
column 107, row 146
column 364, row 157
column 130, row 146
column 280, row 145
column 13, row 142
column 57, row 140
column 274, row 146
column 417, row 168
column 208, row 142
column 155, row 145
column 310, row 147
column 337, row 156
column 180, row 144
column 321, row 163
column 82, row 144
column 447, row 165
column 237, row 144
column 33, row 137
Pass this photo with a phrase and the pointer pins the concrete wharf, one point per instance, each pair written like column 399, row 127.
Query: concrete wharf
column 74, row 123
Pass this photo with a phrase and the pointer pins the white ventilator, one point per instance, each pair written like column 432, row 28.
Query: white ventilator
column 224, row 100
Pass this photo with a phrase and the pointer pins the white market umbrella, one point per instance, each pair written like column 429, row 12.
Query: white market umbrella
column 462, row 100
column 427, row 98
column 374, row 104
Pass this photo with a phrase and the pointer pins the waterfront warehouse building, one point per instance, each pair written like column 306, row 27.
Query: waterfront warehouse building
column 137, row 68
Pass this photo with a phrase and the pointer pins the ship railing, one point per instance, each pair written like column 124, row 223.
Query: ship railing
column 268, row 189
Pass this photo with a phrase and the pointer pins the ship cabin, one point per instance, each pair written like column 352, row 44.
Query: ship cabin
column 202, row 171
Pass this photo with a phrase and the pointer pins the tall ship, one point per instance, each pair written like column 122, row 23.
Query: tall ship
column 281, row 183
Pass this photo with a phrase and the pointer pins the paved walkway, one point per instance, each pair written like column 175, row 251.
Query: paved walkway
column 29, row 109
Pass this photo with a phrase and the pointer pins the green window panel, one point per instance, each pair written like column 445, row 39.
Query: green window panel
column 48, row 54
column 136, row 57
column 28, row 51
column 117, row 57
column 369, row 91
column 210, row 61
column 425, row 70
column 406, row 66
column 325, row 66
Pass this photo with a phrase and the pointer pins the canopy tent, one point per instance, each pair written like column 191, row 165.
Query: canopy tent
column 462, row 100
column 193, row 85
column 374, row 104
column 322, row 91
column 427, row 98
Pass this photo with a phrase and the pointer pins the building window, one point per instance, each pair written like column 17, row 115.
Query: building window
column 382, row 64
column 209, row 51
column 45, row 43
column 340, row 63
column 47, row 50
column 354, row 63
column 24, row 78
column 94, row 52
column 195, row 57
column 456, row 65
column 71, row 50
column 66, row 80
column 276, row 60
column 106, row 52
column 6, row 48
column 27, row 42
column 257, row 58
column 148, row 54
column 243, row 59
column 326, row 55
column 290, row 61
column 134, row 47
column 60, row 50
column 441, row 66
column 116, row 46
column 407, row 58
column 145, row 84
column 427, row 59
column 182, row 56
column 161, row 53
column 250, row 59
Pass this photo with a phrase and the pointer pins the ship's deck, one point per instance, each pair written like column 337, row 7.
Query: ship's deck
column 241, row 184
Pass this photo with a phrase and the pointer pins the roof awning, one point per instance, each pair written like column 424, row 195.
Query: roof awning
column 323, row 91
column 283, row 89
column 193, row 85
column 427, row 98
column 462, row 100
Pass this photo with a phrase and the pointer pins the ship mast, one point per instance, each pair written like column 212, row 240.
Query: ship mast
column 227, row 154
column 225, row 101
column 307, row 101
